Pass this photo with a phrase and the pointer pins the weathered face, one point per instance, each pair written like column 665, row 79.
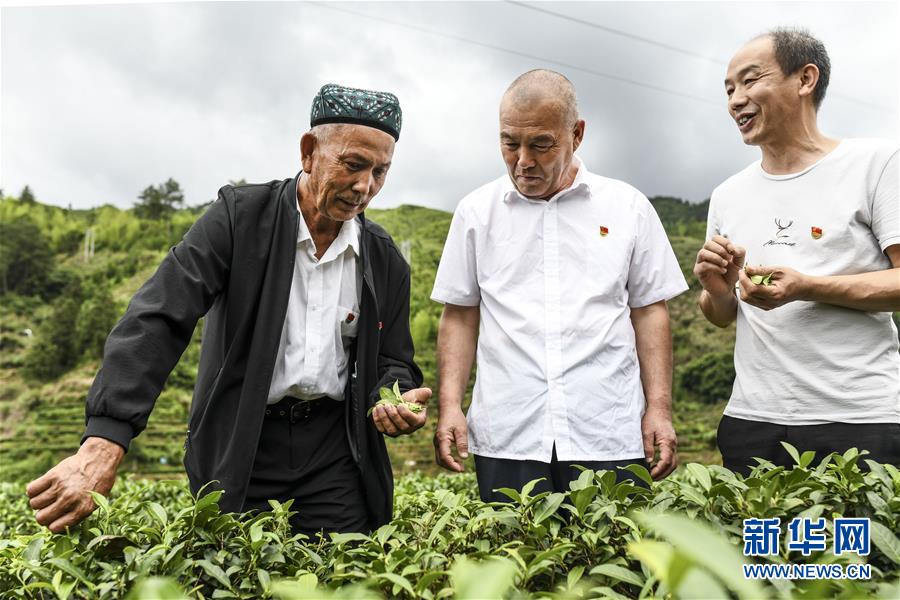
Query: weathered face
column 761, row 99
column 346, row 169
column 537, row 146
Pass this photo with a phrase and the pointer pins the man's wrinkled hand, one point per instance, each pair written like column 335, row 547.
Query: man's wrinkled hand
column 62, row 497
column 394, row 419
column 452, row 430
column 784, row 285
column 659, row 434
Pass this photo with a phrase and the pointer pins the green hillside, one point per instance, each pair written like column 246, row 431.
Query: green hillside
column 67, row 275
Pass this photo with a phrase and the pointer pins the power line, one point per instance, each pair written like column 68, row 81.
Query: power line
column 520, row 54
column 618, row 32
column 669, row 47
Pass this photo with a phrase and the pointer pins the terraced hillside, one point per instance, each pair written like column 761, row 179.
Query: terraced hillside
column 41, row 418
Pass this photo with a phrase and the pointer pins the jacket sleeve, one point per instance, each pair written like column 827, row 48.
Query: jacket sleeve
column 395, row 355
column 145, row 345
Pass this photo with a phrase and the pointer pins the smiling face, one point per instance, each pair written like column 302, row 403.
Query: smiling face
column 763, row 101
column 345, row 166
column 537, row 145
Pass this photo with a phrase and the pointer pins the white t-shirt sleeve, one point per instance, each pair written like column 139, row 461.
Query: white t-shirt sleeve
column 653, row 273
column 456, row 281
column 712, row 225
column 886, row 206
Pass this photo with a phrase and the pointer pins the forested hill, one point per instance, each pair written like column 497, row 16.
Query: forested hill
column 66, row 277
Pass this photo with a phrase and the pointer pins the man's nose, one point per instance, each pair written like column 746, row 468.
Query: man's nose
column 364, row 184
column 525, row 158
column 737, row 100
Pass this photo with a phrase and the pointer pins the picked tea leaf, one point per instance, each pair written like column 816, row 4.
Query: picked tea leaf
column 393, row 396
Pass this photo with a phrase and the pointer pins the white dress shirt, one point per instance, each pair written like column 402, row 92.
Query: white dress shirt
column 555, row 281
column 322, row 318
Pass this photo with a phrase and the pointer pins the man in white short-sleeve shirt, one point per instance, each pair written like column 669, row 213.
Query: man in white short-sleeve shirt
column 562, row 276
column 816, row 350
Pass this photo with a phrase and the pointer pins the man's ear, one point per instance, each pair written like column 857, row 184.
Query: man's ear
column 577, row 134
column 809, row 77
column 308, row 145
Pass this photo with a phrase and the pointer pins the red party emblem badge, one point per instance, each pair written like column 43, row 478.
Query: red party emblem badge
column 816, row 232
column 604, row 231
column 350, row 317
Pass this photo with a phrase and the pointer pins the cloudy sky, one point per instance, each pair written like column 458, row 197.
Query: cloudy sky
column 99, row 101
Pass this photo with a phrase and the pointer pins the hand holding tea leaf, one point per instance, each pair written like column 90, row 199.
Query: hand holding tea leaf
column 62, row 497
column 397, row 413
column 770, row 287
column 718, row 264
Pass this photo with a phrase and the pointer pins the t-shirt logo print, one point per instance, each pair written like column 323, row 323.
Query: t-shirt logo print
column 781, row 234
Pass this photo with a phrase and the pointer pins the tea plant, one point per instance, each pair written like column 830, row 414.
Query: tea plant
column 679, row 538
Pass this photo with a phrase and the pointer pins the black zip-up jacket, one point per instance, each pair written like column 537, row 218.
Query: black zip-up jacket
column 235, row 265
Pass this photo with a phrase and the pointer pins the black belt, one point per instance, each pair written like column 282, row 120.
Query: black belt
column 296, row 410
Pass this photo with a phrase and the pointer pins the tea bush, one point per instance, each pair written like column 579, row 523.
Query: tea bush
column 679, row 538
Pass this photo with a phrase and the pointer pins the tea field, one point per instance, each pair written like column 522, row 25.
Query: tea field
column 679, row 538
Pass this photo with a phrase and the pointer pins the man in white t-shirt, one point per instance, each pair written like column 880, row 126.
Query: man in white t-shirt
column 562, row 276
column 816, row 350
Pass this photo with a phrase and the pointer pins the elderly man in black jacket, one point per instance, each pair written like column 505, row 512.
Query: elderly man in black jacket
column 307, row 316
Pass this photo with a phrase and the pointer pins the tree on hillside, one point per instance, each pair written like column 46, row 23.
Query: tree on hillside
column 25, row 257
column 158, row 201
column 97, row 316
column 57, row 348
column 27, row 196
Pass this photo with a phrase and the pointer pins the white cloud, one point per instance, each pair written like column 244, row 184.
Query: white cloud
column 100, row 101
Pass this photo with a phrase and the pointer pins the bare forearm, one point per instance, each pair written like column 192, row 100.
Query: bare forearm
column 457, row 338
column 721, row 311
column 653, row 340
column 878, row 291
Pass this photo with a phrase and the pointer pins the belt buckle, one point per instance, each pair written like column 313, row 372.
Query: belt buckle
column 300, row 411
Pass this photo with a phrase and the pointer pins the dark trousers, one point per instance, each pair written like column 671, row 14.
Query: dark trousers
column 493, row 473
column 741, row 440
column 309, row 461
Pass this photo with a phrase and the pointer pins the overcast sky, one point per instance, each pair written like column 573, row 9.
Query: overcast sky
column 100, row 101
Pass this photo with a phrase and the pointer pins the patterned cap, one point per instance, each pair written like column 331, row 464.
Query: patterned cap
column 338, row 104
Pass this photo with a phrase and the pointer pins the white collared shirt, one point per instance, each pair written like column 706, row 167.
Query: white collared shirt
column 322, row 318
column 555, row 281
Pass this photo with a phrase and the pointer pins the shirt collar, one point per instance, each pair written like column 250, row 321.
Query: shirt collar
column 347, row 236
column 578, row 184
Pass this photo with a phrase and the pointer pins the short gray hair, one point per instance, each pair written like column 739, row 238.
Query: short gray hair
column 794, row 49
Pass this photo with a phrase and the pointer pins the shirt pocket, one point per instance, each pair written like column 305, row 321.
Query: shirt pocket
column 348, row 322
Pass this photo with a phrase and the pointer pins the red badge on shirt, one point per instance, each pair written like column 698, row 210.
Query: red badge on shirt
column 350, row 317
column 604, row 231
column 816, row 232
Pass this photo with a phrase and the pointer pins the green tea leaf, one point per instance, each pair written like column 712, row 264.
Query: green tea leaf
column 619, row 573
column 641, row 471
column 549, row 507
column 482, row 581
column 792, row 451
column 885, row 540
column 700, row 473
column 215, row 572
column 706, row 548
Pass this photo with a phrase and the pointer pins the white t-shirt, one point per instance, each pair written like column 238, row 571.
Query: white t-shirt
column 555, row 281
column 322, row 318
column 807, row 363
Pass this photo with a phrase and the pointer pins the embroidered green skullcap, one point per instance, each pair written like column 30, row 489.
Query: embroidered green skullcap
column 338, row 104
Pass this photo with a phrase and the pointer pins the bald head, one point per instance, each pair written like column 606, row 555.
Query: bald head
column 540, row 86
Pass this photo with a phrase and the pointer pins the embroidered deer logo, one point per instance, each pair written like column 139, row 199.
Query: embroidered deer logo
column 781, row 228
